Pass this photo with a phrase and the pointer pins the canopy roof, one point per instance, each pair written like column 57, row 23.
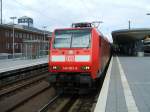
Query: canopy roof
column 126, row 35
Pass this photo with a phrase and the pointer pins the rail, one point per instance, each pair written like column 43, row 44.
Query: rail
column 21, row 74
column 45, row 107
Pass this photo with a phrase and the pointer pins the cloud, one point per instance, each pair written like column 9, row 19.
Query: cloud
column 55, row 14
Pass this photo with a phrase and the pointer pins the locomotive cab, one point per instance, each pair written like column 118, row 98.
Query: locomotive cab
column 74, row 60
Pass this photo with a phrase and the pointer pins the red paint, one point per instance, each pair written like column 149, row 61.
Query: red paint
column 99, row 53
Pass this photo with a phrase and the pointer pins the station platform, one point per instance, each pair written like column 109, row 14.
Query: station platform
column 126, row 87
column 10, row 64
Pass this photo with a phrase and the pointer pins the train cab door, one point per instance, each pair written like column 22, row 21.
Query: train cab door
column 100, row 55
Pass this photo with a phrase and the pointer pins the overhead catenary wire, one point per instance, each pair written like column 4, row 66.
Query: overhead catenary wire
column 84, row 4
column 86, row 7
column 34, row 10
column 42, row 13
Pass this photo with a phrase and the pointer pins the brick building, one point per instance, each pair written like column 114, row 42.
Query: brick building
column 29, row 41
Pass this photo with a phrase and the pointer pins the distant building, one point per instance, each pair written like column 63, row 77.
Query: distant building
column 27, row 21
column 29, row 42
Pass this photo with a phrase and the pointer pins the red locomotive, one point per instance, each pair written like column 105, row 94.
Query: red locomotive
column 78, row 56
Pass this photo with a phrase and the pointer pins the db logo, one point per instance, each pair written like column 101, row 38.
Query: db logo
column 70, row 58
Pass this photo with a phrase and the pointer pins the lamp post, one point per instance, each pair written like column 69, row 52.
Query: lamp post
column 13, row 18
column 44, row 27
column 148, row 14
column 1, row 12
column 129, row 24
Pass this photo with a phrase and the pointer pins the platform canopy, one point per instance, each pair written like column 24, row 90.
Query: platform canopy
column 126, row 35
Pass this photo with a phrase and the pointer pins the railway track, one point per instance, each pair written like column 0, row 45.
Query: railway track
column 75, row 103
column 83, row 104
column 59, row 103
column 46, row 106
column 18, row 82
column 13, row 89
column 18, row 75
column 22, row 93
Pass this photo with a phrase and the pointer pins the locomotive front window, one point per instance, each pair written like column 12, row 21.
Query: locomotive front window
column 72, row 38
column 62, row 40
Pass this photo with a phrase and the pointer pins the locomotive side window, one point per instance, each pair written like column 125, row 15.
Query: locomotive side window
column 72, row 38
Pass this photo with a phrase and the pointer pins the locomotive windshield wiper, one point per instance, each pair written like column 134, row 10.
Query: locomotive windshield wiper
column 54, row 44
column 89, row 43
column 71, row 40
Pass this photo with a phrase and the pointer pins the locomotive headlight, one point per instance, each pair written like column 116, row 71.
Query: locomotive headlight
column 55, row 67
column 85, row 67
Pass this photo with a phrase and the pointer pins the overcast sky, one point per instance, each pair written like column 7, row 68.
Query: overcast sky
column 61, row 13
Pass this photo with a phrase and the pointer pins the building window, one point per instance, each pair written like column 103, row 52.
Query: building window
column 21, row 46
column 20, row 35
column 31, row 37
column 16, row 45
column 7, row 45
column 36, row 37
column 24, row 36
column 6, row 33
column 11, row 34
column 16, row 35
column 28, row 36
column 39, row 37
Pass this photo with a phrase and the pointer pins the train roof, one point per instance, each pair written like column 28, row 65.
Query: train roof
column 73, row 28
column 82, row 25
column 78, row 28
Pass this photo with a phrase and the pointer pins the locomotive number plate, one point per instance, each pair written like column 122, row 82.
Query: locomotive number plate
column 70, row 68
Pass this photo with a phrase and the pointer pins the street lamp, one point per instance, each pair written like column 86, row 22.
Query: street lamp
column 1, row 11
column 44, row 27
column 147, row 13
column 13, row 18
column 129, row 24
